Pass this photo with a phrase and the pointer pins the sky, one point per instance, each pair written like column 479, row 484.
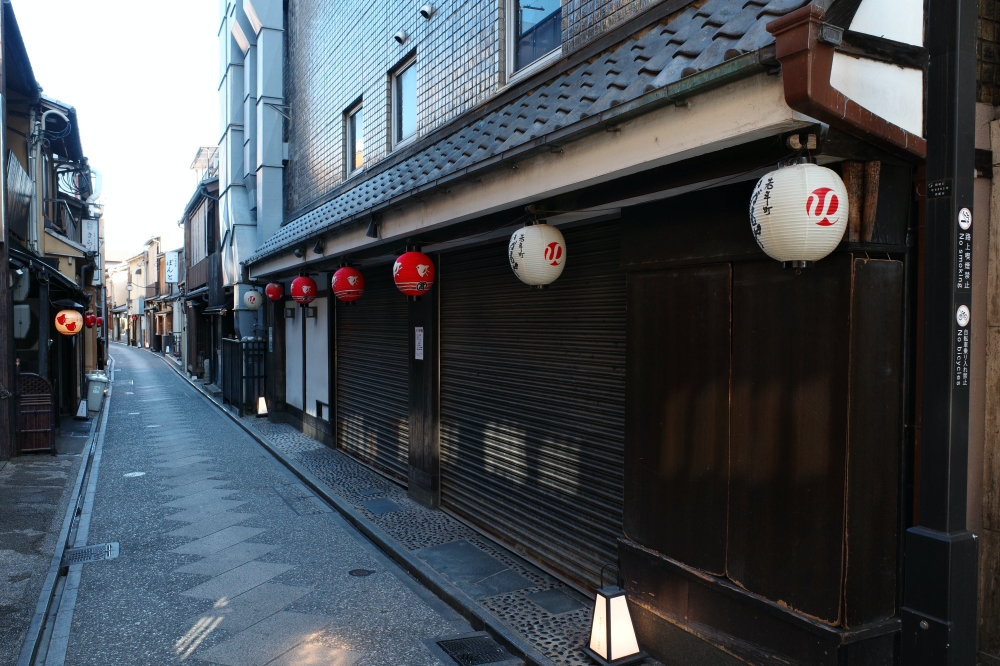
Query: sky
column 143, row 77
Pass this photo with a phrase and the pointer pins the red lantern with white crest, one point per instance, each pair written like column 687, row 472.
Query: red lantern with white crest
column 100, row 322
column 413, row 273
column 275, row 291
column 303, row 289
column 798, row 214
column 69, row 322
column 348, row 284
column 89, row 320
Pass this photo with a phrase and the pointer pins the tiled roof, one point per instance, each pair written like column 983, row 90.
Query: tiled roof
column 694, row 41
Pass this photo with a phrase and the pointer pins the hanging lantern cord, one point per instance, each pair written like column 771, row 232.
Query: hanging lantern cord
column 618, row 572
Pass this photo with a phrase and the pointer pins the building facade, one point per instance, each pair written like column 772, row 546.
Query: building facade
column 738, row 436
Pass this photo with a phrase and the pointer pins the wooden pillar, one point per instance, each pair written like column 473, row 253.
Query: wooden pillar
column 276, row 357
column 424, row 476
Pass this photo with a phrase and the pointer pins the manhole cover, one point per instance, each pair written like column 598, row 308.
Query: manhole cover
column 360, row 573
column 96, row 553
column 474, row 650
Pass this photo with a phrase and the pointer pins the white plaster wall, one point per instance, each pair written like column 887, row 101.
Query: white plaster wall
column 894, row 93
column 318, row 370
column 293, row 356
column 898, row 20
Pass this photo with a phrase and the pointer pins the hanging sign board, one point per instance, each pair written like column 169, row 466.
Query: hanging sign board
column 171, row 271
column 90, row 238
column 418, row 349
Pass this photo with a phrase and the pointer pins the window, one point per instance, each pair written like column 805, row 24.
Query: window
column 535, row 29
column 355, row 149
column 404, row 102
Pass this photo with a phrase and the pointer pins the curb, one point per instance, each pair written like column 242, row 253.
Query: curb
column 33, row 639
column 451, row 594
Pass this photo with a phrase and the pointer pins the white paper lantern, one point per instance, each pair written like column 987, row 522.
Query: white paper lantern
column 537, row 254
column 799, row 213
column 253, row 299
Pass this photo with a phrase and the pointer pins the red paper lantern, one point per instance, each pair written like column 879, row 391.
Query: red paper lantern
column 275, row 291
column 100, row 321
column 89, row 320
column 413, row 273
column 303, row 289
column 348, row 284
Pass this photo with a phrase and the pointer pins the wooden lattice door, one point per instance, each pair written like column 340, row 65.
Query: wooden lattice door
column 36, row 424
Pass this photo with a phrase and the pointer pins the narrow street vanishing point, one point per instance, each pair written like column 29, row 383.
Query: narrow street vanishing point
column 224, row 555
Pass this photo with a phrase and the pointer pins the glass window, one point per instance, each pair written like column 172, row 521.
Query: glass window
column 355, row 140
column 536, row 30
column 405, row 105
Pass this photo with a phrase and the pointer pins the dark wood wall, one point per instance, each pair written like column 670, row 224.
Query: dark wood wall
column 763, row 431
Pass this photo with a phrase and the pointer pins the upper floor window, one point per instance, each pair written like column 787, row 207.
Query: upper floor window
column 535, row 29
column 355, row 149
column 404, row 102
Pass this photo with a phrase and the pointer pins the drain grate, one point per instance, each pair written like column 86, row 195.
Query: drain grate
column 96, row 553
column 474, row 650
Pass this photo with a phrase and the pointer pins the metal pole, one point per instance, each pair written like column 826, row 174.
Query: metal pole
column 939, row 596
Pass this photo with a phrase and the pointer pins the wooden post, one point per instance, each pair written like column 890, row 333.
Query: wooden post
column 424, row 477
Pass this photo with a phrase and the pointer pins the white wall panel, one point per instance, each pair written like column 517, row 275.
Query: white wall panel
column 892, row 92
column 898, row 20
column 317, row 358
column 293, row 356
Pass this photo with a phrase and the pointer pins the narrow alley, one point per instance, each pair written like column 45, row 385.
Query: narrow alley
column 224, row 556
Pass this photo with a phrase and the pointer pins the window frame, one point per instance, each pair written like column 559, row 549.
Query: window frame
column 510, row 46
column 350, row 139
column 394, row 102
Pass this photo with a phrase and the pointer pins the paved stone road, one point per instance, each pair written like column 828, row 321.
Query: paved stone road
column 225, row 556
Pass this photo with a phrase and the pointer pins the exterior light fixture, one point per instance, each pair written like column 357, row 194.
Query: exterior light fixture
column 261, row 406
column 275, row 291
column 400, row 37
column 128, row 287
column 303, row 290
column 427, row 11
column 69, row 322
column 348, row 284
column 299, row 252
column 537, row 254
column 798, row 213
column 253, row 299
column 413, row 273
column 612, row 635
column 372, row 231
column 318, row 246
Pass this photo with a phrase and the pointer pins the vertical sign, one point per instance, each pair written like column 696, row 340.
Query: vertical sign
column 418, row 348
column 90, row 235
column 171, row 269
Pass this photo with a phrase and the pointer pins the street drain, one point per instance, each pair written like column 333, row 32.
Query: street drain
column 474, row 650
column 96, row 553
column 360, row 573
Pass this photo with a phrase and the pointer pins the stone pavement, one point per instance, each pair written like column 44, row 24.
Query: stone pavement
column 34, row 495
column 225, row 557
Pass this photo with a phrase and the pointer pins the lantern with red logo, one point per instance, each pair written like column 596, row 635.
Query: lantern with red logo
column 69, row 322
column 798, row 214
column 303, row 289
column 100, row 322
column 348, row 284
column 275, row 291
column 253, row 299
column 89, row 320
column 413, row 273
column 537, row 254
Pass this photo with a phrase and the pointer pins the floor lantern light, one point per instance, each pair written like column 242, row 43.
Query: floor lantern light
column 275, row 291
column 69, row 322
column 537, row 254
column 261, row 407
column 612, row 635
column 413, row 273
column 348, row 284
column 303, row 290
column 798, row 213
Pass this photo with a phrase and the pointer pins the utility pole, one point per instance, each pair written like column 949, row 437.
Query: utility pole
column 941, row 580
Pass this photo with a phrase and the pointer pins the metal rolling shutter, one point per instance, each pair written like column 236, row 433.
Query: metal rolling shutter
column 373, row 419
column 533, row 402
